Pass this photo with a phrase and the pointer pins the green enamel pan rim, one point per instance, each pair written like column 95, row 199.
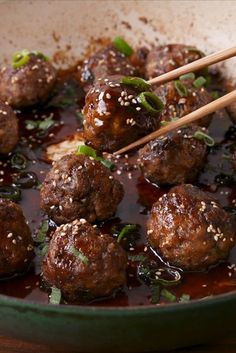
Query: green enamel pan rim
column 12, row 302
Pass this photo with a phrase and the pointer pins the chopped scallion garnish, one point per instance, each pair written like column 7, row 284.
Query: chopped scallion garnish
column 166, row 294
column 90, row 152
column 129, row 228
column 55, row 297
column 189, row 76
column 79, row 254
column 181, row 89
column 208, row 140
column 215, row 95
column 18, row 161
column 137, row 258
column 184, row 298
column 137, row 82
column 165, row 122
column 10, row 193
column 40, row 238
column 123, row 47
column 150, row 102
column 21, row 58
column 39, row 124
column 199, row 82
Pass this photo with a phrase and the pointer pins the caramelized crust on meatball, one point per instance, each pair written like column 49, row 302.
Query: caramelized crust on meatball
column 16, row 245
column 107, row 61
column 114, row 117
column 79, row 186
column 81, row 260
column 189, row 229
column 173, row 159
column 28, row 85
column 8, row 128
column 169, row 57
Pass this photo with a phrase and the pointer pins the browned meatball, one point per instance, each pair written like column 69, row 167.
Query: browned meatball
column 8, row 128
column 177, row 106
column 169, row 57
column 173, row 159
column 79, row 186
column 81, row 260
column 29, row 84
column 190, row 229
column 114, row 116
column 138, row 60
column 107, row 61
column 16, row 245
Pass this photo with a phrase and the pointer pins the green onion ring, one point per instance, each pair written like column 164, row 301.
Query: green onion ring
column 18, row 161
column 208, row 140
column 20, row 58
column 150, row 102
column 189, row 76
column 10, row 193
column 90, row 152
column 199, row 82
column 136, row 82
column 181, row 89
column 123, row 47
column 55, row 297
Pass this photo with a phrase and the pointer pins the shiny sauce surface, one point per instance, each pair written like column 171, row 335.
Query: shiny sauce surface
column 216, row 177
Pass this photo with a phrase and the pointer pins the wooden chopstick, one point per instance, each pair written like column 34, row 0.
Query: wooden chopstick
column 187, row 119
column 195, row 66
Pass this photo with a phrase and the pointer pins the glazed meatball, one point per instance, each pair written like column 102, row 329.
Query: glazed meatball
column 29, row 84
column 169, row 57
column 138, row 60
column 173, row 159
column 81, row 261
column 190, row 229
column 8, row 128
column 78, row 186
column 16, row 245
column 114, row 116
column 177, row 106
column 107, row 61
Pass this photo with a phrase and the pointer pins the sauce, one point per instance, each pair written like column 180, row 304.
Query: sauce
column 134, row 208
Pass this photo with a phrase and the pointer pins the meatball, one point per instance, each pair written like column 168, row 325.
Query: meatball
column 190, row 229
column 8, row 128
column 78, row 186
column 173, row 159
column 82, row 261
column 169, row 57
column 107, row 61
column 16, row 245
column 114, row 116
column 29, row 84
column 138, row 60
column 177, row 106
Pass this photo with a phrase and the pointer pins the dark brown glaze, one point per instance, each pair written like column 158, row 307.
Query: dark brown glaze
column 190, row 229
column 169, row 57
column 83, row 262
column 177, row 106
column 106, row 62
column 138, row 60
column 79, row 186
column 16, row 244
column 133, row 209
column 113, row 115
column 173, row 159
column 8, row 128
column 30, row 84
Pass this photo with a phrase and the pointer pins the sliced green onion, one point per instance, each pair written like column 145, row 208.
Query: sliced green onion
column 18, row 161
column 215, row 95
column 150, row 102
column 155, row 292
column 137, row 258
column 55, row 297
column 20, row 58
column 171, row 282
column 208, row 140
column 90, row 152
column 79, row 254
column 129, row 228
column 181, row 89
column 123, row 47
column 199, row 82
column 31, row 124
column 42, row 232
column 136, row 82
column 10, row 193
column 46, row 123
column 193, row 49
column 165, row 122
column 44, row 250
column 189, row 76
column 184, row 298
column 170, row 297
column 40, row 55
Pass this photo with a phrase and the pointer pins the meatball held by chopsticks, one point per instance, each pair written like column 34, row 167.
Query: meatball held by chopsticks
column 83, row 262
column 118, row 110
column 80, row 186
column 16, row 244
column 8, row 128
column 29, row 81
column 190, row 229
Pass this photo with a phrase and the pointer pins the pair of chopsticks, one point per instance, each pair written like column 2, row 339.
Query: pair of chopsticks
column 197, row 114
